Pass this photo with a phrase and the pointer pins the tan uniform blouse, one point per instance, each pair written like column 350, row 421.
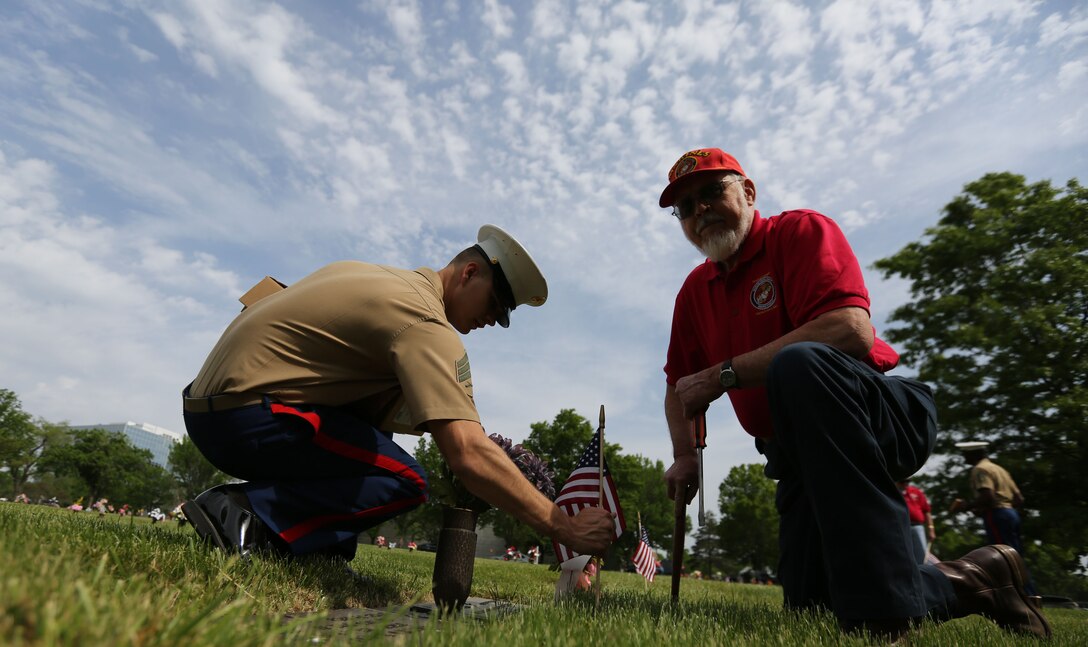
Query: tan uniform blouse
column 987, row 474
column 370, row 337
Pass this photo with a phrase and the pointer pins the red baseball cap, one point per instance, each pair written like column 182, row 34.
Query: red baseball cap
column 693, row 163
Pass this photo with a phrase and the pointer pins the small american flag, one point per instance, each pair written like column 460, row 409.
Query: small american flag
column 644, row 559
column 581, row 491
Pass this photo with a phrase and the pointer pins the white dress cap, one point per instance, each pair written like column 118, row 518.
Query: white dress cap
column 526, row 281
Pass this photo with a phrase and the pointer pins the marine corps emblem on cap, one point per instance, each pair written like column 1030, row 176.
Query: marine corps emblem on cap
column 525, row 279
column 696, row 162
column 685, row 164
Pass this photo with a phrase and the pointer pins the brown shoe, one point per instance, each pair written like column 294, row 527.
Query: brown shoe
column 990, row 581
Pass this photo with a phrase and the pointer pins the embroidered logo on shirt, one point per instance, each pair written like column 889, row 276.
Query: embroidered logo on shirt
column 764, row 294
column 464, row 373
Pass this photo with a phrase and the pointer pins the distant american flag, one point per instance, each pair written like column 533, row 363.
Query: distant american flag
column 581, row 491
column 645, row 560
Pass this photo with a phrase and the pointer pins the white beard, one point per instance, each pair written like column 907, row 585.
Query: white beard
column 722, row 246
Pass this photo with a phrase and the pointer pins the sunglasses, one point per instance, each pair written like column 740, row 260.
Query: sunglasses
column 685, row 207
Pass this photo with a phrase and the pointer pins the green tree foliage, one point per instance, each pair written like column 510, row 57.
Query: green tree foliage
column 639, row 481
column 110, row 466
column 641, row 486
column 22, row 442
column 998, row 325
column 192, row 472
column 425, row 522
column 749, row 525
column 561, row 442
column 708, row 554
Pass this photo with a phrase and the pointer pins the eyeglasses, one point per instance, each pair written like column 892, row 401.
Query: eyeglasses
column 685, row 207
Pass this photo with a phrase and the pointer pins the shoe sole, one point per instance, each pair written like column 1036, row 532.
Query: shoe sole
column 1020, row 578
column 203, row 524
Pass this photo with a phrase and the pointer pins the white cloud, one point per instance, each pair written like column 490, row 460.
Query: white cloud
column 785, row 31
column 87, row 300
column 171, row 28
column 256, row 41
column 515, row 73
column 688, row 107
column 140, row 53
column 1071, row 75
column 497, row 17
column 549, row 19
column 406, row 21
column 573, row 54
column 1066, row 32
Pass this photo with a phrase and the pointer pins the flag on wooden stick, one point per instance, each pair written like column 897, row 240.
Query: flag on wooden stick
column 589, row 482
column 644, row 559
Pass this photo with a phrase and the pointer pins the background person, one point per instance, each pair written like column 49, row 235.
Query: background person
column 996, row 499
column 302, row 392
column 778, row 319
column 921, row 518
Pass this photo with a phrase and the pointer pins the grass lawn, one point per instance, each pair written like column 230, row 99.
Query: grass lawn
column 77, row 579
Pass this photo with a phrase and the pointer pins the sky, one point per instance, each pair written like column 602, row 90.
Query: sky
column 159, row 158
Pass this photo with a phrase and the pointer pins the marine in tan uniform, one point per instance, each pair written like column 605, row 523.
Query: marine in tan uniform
column 304, row 389
column 996, row 499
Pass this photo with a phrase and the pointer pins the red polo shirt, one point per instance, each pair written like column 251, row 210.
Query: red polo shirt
column 792, row 268
column 917, row 505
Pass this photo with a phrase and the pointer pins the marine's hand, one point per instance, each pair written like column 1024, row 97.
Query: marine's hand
column 698, row 390
column 591, row 531
column 683, row 477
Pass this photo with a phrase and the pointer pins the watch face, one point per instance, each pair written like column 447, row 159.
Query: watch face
column 727, row 377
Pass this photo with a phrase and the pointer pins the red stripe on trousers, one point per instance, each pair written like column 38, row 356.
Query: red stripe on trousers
column 992, row 526
column 306, row 527
column 356, row 453
column 350, row 451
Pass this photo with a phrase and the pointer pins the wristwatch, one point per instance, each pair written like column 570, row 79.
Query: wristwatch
column 728, row 377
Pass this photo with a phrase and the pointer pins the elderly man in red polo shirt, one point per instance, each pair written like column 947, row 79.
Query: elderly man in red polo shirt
column 777, row 318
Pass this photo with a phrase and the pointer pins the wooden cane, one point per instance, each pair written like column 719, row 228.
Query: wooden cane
column 681, row 517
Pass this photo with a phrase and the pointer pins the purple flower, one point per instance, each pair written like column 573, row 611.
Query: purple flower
column 534, row 468
column 449, row 489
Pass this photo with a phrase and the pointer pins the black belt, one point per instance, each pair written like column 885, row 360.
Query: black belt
column 220, row 402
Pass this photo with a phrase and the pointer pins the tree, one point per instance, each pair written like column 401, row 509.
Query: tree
column 561, row 442
column 426, row 520
column 749, row 524
column 639, row 481
column 146, row 485
column 191, row 470
column 707, row 555
column 23, row 441
column 998, row 325
column 110, row 466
